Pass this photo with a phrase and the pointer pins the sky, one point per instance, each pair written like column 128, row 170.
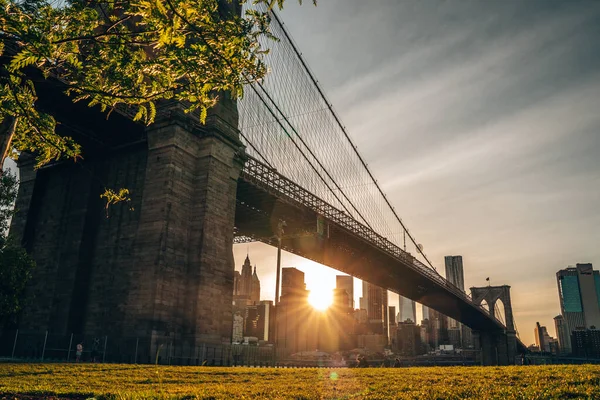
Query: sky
column 481, row 120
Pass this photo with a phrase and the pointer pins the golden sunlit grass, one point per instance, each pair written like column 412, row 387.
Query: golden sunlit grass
column 110, row 381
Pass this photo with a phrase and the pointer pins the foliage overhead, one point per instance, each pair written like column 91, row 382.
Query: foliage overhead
column 123, row 54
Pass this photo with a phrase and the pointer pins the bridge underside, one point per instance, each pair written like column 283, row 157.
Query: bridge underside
column 259, row 208
column 258, row 212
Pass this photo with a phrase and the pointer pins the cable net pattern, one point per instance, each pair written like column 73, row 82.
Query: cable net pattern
column 287, row 122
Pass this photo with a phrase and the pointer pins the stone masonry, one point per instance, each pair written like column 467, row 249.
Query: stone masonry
column 160, row 266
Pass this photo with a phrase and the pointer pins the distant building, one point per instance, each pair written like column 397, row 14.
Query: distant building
column 238, row 328
column 258, row 322
column 294, row 315
column 302, row 328
column 562, row 334
column 424, row 336
column 340, row 321
column 376, row 302
column 392, row 326
column 454, row 271
column 251, row 323
column 391, row 315
column 346, row 283
column 440, row 322
column 266, row 311
column 372, row 342
column 542, row 338
column 340, row 299
column 246, row 297
column 292, row 282
column 454, row 337
column 408, row 339
column 246, row 286
column 579, row 295
column 553, row 345
column 586, row 343
column 407, row 310
column 455, row 275
column 429, row 332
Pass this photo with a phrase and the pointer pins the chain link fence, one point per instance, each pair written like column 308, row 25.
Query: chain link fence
column 49, row 347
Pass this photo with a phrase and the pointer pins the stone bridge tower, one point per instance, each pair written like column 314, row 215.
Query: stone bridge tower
column 491, row 294
column 497, row 348
column 158, row 269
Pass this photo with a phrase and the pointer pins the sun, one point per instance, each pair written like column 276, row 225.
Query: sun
column 321, row 299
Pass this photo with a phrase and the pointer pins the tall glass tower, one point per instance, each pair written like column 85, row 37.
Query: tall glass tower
column 455, row 275
column 579, row 294
column 454, row 271
column 346, row 283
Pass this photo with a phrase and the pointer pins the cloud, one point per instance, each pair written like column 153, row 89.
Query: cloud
column 480, row 120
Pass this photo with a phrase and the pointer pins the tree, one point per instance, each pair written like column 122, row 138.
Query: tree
column 8, row 194
column 121, row 54
column 15, row 270
column 15, row 264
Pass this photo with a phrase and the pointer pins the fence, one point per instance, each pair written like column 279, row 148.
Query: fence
column 50, row 347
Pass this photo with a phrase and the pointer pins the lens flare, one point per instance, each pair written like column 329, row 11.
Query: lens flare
column 320, row 299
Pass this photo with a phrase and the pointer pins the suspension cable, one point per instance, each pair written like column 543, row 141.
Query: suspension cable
column 338, row 121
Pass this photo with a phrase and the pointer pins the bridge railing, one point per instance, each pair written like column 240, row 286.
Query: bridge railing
column 269, row 179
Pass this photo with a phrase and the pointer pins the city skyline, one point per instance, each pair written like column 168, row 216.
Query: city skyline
column 485, row 137
column 326, row 280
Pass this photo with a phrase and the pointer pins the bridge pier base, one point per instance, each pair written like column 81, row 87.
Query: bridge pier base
column 511, row 347
column 497, row 347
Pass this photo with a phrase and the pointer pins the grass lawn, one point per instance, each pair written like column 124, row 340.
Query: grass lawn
column 117, row 381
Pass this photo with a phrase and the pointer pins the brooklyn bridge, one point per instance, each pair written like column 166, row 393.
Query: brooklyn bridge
column 161, row 265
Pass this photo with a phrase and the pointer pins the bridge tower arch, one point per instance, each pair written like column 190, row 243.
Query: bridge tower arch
column 498, row 347
column 491, row 294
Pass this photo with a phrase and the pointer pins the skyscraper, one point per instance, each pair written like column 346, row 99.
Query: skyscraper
column 579, row 294
column 454, row 271
column 246, row 285
column 407, row 310
column 562, row 334
column 455, row 275
column 542, row 338
column 292, row 282
column 265, row 311
column 440, row 322
column 293, row 332
column 346, row 283
column 376, row 303
column 391, row 315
